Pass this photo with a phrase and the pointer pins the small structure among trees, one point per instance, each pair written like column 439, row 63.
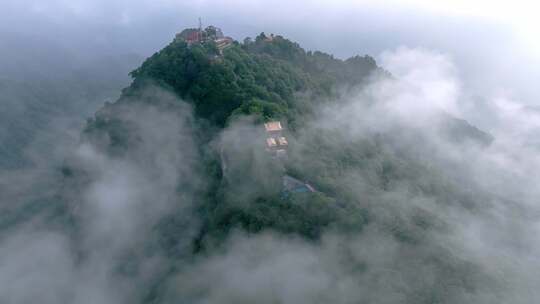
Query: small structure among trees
column 223, row 43
column 291, row 184
column 276, row 143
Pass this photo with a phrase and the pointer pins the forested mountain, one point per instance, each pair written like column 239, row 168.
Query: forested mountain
column 175, row 171
column 265, row 79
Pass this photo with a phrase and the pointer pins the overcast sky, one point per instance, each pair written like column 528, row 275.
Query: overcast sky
column 493, row 44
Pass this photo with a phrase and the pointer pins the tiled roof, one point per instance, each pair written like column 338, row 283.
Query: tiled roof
column 273, row 126
column 271, row 142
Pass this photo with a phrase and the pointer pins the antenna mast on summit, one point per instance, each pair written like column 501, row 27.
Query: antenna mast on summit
column 200, row 30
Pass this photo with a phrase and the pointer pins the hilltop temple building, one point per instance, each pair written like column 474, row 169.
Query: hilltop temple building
column 211, row 33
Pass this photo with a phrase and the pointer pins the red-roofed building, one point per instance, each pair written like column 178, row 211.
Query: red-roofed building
column 193, row 37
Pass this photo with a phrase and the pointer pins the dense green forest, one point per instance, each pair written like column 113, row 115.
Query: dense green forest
column 259, row 76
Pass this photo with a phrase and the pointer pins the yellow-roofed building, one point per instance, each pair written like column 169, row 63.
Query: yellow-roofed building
column 271, row 142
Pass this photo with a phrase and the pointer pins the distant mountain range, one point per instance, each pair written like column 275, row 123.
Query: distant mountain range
column 50, row 92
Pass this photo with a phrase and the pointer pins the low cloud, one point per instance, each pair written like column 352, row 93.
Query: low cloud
column 99, row 243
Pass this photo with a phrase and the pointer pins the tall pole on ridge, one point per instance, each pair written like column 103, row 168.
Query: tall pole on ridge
column 200, row 30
